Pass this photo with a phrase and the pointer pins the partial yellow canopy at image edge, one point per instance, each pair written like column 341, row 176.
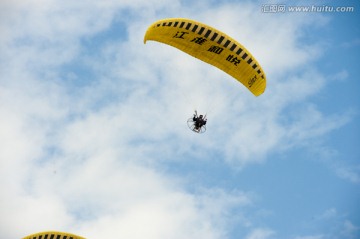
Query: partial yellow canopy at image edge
column 53, row 235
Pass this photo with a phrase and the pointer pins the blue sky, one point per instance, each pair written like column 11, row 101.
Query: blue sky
column 93, row 123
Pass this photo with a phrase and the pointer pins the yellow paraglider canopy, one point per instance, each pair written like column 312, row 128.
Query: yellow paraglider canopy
column 211, row 46
column 53, row 235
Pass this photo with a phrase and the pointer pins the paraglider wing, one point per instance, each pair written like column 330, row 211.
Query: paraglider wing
column 211, row 46
column 53, row 235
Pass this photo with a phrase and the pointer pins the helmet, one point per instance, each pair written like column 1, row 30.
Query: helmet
column 201, row 116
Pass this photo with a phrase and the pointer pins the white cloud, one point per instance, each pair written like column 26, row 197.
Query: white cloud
column 260, row 233
column 343, row 168
column 329, row 213
column 340, row 76
column 83, row 158
column 350, row 173
column 350, row 230
column 352, row 43
column 310, row 237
